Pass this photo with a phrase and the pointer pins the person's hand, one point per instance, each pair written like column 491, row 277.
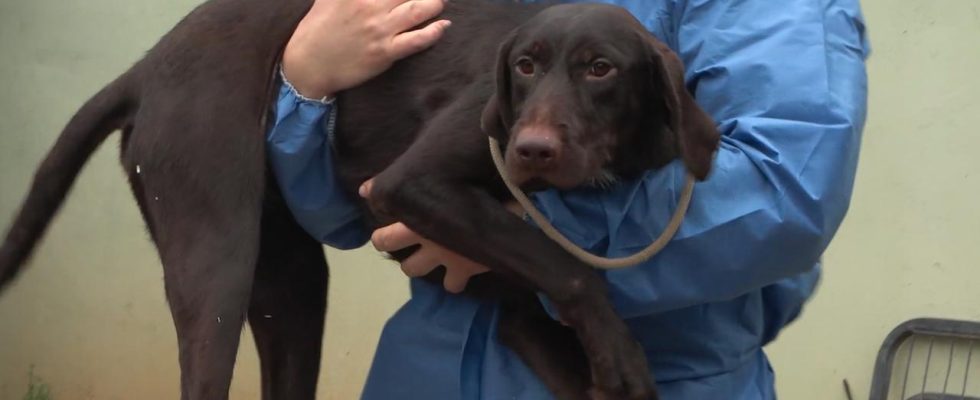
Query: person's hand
column 430, row 255
column 340, row 44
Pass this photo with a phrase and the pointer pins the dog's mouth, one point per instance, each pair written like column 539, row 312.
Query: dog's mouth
column 572, row 173
column 604, row 179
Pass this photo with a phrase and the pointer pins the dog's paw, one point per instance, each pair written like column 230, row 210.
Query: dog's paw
column 619, row 369
column 597, row 394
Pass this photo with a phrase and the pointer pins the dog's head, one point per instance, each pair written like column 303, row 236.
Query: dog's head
column 584, row 94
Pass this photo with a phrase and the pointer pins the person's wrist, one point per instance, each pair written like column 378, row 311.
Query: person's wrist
column 308, row 81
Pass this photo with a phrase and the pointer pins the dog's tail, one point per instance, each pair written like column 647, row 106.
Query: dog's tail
column 110, row 109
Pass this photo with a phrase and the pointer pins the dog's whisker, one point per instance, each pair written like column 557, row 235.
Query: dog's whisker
column 605, row 179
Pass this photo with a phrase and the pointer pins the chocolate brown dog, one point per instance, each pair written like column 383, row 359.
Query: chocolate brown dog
column 579, row 93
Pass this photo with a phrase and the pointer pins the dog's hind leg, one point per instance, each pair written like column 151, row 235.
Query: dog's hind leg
column 203, row 207
column 289, row 302
column 208, row 268
column 208, row 271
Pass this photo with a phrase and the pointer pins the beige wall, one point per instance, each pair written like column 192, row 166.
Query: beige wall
column 90, row 311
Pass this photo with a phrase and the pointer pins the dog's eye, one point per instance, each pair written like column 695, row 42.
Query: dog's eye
column 525, row 66
column 599, row 69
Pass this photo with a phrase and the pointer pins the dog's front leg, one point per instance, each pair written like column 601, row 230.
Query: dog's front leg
column 467, row 219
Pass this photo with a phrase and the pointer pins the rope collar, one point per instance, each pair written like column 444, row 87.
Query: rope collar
column 589, row 258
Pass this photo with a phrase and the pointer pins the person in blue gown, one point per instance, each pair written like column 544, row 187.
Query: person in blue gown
column 787, row 86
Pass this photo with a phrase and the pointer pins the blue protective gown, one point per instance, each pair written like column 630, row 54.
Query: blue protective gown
column 785, row 82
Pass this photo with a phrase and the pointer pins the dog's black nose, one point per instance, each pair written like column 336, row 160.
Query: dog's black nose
column 537, row 151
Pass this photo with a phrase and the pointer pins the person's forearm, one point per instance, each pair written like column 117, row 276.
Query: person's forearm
column 299, row 154
column 338, row 45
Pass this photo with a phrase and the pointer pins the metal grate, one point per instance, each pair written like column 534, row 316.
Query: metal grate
column 929, row 359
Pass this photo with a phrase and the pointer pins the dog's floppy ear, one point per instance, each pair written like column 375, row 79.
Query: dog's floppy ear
column 498, row 113
column 696, row 135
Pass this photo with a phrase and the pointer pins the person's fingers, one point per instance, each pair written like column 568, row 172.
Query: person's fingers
column 514, row 207
column 365, row 189
column 394, row 237
column 420, row 263
column 459, row 273
column 455, row 280
column 390, row 4
column 410, row 14
column 408, row 43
